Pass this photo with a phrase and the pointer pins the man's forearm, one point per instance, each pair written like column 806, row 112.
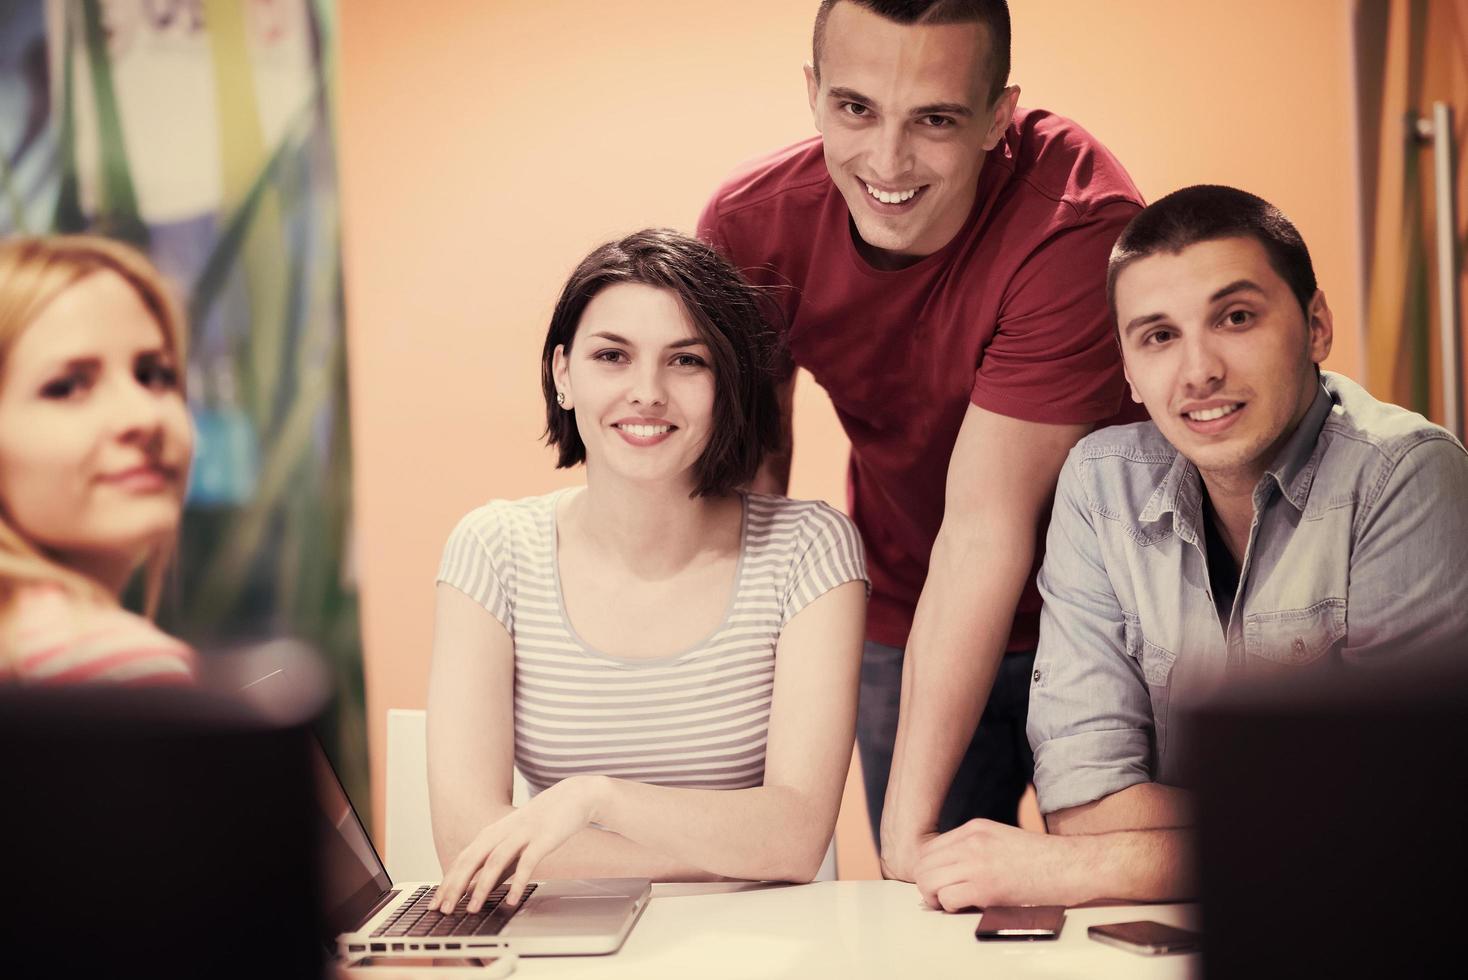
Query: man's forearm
column 773, row 476
column 1143, row 806
column 958, row 638
column 1131, row 866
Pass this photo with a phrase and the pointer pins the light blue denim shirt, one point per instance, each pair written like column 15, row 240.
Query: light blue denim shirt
column 1358, row 553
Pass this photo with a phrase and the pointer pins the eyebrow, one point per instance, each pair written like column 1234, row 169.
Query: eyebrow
column 1136, row 323
column 1237, row 286
column 618, row 339
column 932, row 109
column 93, row 361
column 71, row 365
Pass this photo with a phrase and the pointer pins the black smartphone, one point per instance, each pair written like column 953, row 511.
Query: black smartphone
column 1020, row 922
column 1147, row 937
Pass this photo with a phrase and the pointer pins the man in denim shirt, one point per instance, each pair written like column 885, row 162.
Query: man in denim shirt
column 1271, row 518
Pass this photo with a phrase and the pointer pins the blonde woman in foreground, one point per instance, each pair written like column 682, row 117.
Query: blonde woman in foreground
column 95, row 445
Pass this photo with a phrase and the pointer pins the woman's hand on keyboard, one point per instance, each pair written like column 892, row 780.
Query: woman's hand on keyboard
column 521, row 839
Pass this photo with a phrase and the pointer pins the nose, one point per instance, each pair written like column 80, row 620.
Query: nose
column 137, row 412
column 647, row 387
column 891, row 156
column 1203, row 368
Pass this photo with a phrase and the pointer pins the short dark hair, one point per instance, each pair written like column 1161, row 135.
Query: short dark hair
column 993, row 14
column 731, row 317
column 1208, row 212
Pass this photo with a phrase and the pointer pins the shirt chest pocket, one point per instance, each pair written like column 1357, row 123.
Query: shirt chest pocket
column 1156, row 663
column 1294, row 637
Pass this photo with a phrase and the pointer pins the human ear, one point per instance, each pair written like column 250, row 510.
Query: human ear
column 561, row 375
column 1136, row 395
column 813, row 94
column 1003, row 115
column 1322, row 327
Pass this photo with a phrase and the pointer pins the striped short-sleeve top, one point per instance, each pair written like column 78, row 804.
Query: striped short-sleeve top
column 51, row 637
column 697, row 718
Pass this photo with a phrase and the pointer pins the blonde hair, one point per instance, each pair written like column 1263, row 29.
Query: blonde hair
column 33, row 272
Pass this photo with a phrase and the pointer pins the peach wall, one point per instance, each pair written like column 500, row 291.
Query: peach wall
column 485, row 147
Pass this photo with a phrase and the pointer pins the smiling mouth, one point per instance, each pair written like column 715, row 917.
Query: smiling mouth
column 143, row 478
column 1211, row 414
column 644, row 431
column 892, row 197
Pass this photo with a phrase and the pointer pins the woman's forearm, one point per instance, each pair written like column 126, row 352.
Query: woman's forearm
column 595, row 853
column 591, row 853
column 766, row 833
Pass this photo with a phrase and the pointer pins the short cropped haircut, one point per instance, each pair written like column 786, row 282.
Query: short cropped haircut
column 1206, row 213
column 993, row 14
column 731, row 318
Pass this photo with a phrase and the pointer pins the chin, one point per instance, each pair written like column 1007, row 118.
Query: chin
column 1220, row 459
column 890, row 228
column 897, row 245
column 640, row 474
column 139, row 539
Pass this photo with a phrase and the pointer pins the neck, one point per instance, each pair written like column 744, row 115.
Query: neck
column 1231, row 498
column 654, row 531
column 112, row 572
column 880, row 258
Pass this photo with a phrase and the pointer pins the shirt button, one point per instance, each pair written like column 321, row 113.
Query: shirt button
column 1035, row 677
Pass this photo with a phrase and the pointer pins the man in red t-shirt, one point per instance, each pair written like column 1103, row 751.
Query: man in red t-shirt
column 939, row 256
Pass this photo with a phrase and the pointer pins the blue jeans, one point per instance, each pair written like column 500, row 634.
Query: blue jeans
column 997, row 765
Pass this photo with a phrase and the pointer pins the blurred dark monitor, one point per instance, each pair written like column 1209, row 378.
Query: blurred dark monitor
column 156, row 832
column 1330, row 808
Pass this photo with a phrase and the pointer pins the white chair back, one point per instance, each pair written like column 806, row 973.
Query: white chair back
column 410, row 852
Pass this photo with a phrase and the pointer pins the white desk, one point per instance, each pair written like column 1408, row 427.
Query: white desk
column 851, row 929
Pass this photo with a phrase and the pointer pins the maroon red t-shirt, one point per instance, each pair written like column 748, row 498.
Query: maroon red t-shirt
column 1010, row 315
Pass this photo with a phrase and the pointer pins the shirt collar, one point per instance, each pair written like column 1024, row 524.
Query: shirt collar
column 1295, row 465
column 1180, row 492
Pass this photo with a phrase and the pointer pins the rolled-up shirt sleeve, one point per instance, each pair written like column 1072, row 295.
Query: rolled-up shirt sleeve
column 1409, row 566
column 1090, row 716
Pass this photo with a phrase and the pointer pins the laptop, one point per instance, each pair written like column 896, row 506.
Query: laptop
column 368, row 913
column 156, row 832
column 1329, row 835
column 373, row 914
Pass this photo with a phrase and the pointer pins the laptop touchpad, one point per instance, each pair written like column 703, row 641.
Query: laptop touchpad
column 580, row 906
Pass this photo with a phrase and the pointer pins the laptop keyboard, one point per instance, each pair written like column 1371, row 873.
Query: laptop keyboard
column 415, row 918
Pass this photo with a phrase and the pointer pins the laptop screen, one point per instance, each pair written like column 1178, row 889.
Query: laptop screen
column 156, row 832
column 1326, row 804
column 353, row 879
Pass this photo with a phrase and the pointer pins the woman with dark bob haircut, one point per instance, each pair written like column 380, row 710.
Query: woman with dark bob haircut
column 670, row 661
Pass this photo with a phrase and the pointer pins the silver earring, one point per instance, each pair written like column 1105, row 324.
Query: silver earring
column 561, row 398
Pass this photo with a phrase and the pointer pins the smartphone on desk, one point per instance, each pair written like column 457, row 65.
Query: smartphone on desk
column 1022, row 922
column 1147, row 937
column 486, row 967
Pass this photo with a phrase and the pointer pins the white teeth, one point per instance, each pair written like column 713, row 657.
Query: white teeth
column 1209, row 414
column 645, row 431
column 887, row 198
